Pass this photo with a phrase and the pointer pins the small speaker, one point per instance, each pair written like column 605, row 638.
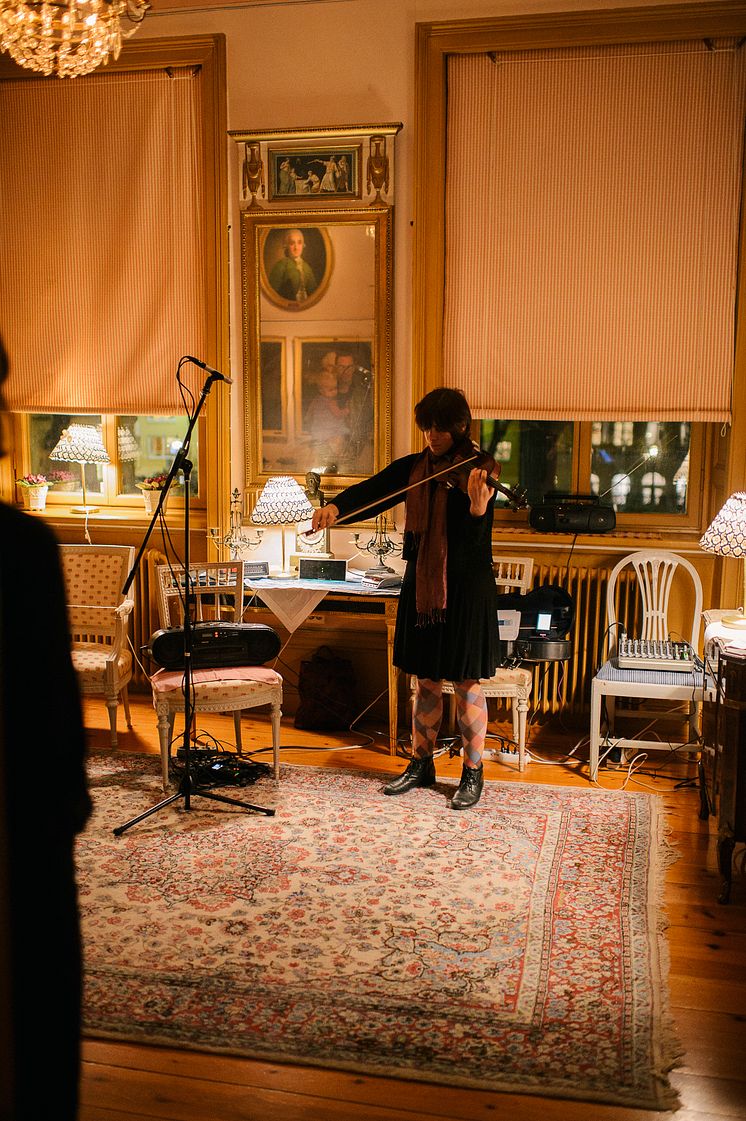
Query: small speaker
column 316, row 568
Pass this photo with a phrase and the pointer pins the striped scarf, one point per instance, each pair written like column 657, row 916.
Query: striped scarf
column 426, row 521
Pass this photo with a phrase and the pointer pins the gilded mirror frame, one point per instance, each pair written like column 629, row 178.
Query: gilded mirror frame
column 290, row 344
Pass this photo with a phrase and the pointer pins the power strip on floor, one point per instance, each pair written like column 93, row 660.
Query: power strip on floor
column 503, row 754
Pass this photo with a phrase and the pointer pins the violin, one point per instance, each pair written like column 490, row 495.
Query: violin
column 458, row 476
column 455, row 474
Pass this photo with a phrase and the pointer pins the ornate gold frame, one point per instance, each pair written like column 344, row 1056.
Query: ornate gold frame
column 369, row 146
column 261, row 320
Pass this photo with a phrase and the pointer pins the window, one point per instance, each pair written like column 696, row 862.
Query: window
column 138, row 446
column 638, row 467
column 641, row 468
column 126, row 379
column 661, row 474
column 534, row 456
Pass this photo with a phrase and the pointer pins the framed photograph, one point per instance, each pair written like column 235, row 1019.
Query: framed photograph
column 296, row 266
column 302, row 174
column 335, row 403
column 273, row 379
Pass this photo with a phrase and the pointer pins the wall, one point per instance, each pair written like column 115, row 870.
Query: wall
column 329, row 63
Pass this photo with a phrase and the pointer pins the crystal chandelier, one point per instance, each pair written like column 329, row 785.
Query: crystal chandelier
column 67, row 38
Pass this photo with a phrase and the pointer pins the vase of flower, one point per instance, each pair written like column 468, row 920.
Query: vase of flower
column 151, row 489
column 34, row 490
column 64, row 480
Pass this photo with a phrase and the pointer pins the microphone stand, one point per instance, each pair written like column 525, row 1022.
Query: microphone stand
column 188, row 789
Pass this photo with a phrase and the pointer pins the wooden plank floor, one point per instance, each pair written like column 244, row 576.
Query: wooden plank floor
column 125, row 1082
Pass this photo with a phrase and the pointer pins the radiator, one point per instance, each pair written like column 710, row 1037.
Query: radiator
column 566, row 686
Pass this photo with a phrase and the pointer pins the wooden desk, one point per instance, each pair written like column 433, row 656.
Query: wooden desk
column 722, row 768
column 341, row 601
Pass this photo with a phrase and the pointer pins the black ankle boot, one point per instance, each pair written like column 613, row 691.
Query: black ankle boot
column 469, row 789
column 420, row 772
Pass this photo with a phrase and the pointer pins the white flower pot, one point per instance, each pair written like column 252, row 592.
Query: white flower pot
column 34, row 498
column 151, row 499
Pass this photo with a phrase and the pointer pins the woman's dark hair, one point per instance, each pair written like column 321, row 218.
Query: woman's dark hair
column 444, row 409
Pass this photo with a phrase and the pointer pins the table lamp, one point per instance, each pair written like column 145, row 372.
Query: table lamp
column 283, row 502
column 81, row 443
column 726, row 536
column 127, row 445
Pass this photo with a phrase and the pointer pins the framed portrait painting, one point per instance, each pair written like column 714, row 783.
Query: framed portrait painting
column 296, row 265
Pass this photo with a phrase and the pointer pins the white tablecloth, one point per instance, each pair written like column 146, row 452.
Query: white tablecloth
column 292, row 601
column 291, row 605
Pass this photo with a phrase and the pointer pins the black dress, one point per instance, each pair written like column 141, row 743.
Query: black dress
column 466, row 645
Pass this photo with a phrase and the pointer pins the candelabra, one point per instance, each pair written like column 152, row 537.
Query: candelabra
column 379, row 545
column 236, row 540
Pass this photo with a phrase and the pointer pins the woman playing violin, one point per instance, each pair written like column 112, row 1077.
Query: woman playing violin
column 446, row 627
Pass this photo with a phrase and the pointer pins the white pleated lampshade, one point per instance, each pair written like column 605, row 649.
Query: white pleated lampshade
column 726, row 536
column 282, row 502
column 80, row 443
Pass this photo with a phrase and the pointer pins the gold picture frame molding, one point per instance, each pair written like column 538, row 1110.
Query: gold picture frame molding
column 373, row 161
column 377, row 222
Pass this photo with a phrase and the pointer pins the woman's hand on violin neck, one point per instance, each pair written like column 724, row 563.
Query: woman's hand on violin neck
column 324, row 517
column 479, row 493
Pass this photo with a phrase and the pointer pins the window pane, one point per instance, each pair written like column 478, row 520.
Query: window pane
column 533, row 455
column 147, row 446
column 641, row 467
column 45, row 430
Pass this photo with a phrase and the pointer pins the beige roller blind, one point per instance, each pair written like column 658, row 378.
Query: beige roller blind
column 101, row 238
column 592, row 213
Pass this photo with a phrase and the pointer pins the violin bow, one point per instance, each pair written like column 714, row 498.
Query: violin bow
column 354, row 514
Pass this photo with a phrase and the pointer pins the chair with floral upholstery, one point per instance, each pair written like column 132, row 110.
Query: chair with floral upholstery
column 216, row 590
column 99, row 615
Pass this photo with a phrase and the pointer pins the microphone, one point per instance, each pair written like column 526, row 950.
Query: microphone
column 208, row 369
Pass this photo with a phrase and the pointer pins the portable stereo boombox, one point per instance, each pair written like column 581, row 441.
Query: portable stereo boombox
column 572, row 513
column 216, row 645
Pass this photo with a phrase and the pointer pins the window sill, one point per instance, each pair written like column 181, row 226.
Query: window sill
column 125, row 516
column 620, row 540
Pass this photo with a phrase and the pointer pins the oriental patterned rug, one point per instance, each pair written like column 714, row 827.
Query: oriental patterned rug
column 512, row 947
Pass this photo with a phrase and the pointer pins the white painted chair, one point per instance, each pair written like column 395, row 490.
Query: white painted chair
column 99, row 615
column 657, row 572
column 217, row 591
column 512, row 574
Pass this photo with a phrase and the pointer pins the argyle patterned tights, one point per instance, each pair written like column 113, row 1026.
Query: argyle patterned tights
column 471, row 713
